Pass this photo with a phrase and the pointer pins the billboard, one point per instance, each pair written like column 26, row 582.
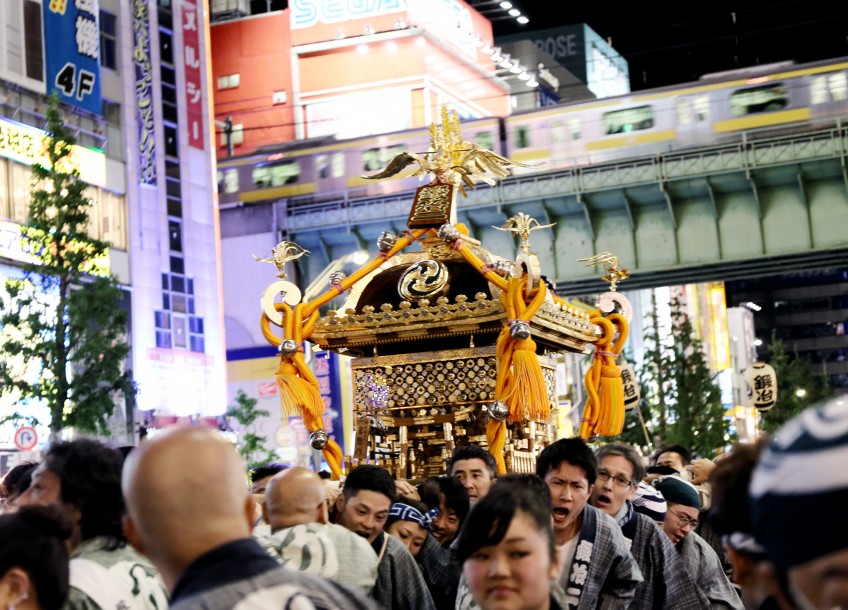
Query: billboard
column 193, row 93
column 72, row 47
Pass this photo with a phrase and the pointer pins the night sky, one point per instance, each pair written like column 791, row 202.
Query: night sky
column 676, row 46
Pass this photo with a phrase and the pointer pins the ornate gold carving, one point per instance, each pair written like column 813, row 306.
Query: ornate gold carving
column 423, row 279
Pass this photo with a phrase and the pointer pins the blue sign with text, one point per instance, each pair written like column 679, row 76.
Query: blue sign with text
column 72, row 46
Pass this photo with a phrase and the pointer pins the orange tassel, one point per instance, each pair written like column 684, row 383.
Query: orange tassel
column 297, row 396
column 496, row 439
column 527, row 395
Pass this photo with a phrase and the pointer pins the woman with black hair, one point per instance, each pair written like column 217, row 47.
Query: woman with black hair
column 507, row 549
column 15, row 483
column 34, row 558
column 84, row 478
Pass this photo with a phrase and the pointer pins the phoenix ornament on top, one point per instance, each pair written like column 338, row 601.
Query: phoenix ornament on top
column 451, row 159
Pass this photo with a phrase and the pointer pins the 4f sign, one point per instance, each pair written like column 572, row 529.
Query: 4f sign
column 25, row 438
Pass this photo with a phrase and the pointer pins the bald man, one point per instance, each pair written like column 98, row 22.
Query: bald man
column 188, row 510
column 295, row 508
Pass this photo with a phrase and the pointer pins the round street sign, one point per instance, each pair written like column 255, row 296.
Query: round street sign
column 25, row 438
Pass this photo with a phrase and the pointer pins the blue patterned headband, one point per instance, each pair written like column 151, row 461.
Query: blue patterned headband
column 405, row 512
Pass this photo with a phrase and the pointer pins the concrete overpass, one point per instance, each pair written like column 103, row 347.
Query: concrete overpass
column 750, row 208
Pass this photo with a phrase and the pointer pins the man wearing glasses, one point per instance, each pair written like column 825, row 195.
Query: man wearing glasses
column 699, row 559
column 666, row 583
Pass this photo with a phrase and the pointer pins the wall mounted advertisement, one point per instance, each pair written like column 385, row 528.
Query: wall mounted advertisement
column 72, row 47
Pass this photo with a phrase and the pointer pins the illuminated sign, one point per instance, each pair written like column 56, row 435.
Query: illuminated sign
column 144, row 92
column 72, row 47
column 26, row 144
column 306, row 13
column 193, row 84
column 12, row 247
column 449, row 20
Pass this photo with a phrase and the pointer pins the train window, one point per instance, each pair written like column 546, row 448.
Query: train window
column 759, row 99
column 575, row 128
column 377, row 158
column 838, row 86
column 277, row 174
column 322, row 167
column 631, row 119
column 684, row 112
column 337, row 165
column 557, row 132
column 818, row 90
column 702, row 108
column 231, row 181
column 522, row 136
column 485, row 139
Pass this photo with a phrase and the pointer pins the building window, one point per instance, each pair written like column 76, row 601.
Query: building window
column 229, row 81
column 166, row 47
column 32, row 36
column 172, row 148
column 108, row 40
column 175, row 236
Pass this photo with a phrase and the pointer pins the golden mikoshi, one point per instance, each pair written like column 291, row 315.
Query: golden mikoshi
column 521, row 306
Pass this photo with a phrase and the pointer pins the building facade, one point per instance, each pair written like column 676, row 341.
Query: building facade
column 132, row 79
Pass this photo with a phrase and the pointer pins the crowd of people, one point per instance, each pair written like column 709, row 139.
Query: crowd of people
column 178, row 522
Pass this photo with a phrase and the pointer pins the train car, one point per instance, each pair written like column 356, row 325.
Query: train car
column 308, row 171
column 759, row 102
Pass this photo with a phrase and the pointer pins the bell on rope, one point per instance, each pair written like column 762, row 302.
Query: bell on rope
column 519, row 330
column 288, row 347
column 386, row 241
column 498, row 410
column 318, row 439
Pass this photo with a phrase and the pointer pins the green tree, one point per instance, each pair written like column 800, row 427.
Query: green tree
column 251, row 446
column 681, row 401
column 798, row 386
column 63, row 342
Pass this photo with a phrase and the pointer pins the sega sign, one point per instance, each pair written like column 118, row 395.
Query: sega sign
column 72, row 47
column 306, row 13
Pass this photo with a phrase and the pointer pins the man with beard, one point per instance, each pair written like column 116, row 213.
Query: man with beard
column 666, row 584
column 363, row 507
column 699, row 558
column 598, row 569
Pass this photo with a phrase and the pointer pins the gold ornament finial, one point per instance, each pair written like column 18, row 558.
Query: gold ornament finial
column 521, row 224
column 451, row 159
column 610, row 262
column 282, row 253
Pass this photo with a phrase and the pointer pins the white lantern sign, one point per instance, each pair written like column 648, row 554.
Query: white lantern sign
column 630, row 384
column 762, row 382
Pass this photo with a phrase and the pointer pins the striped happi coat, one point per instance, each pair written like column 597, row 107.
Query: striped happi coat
column 609, row 575
column 666, row 582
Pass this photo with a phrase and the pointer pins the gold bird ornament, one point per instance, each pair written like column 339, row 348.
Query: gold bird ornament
column 451, row 160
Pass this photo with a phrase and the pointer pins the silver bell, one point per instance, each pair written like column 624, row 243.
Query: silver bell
column 337, row 277
column 318, row 439
column 386, row 241
column 288, row 347
column 448, row 233
column 503, row 267
column 519, row 330
column 498, row 410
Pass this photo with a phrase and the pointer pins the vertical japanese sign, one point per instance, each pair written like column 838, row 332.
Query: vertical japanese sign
column 193, row 82
column 144, row 92
column 72, row 48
